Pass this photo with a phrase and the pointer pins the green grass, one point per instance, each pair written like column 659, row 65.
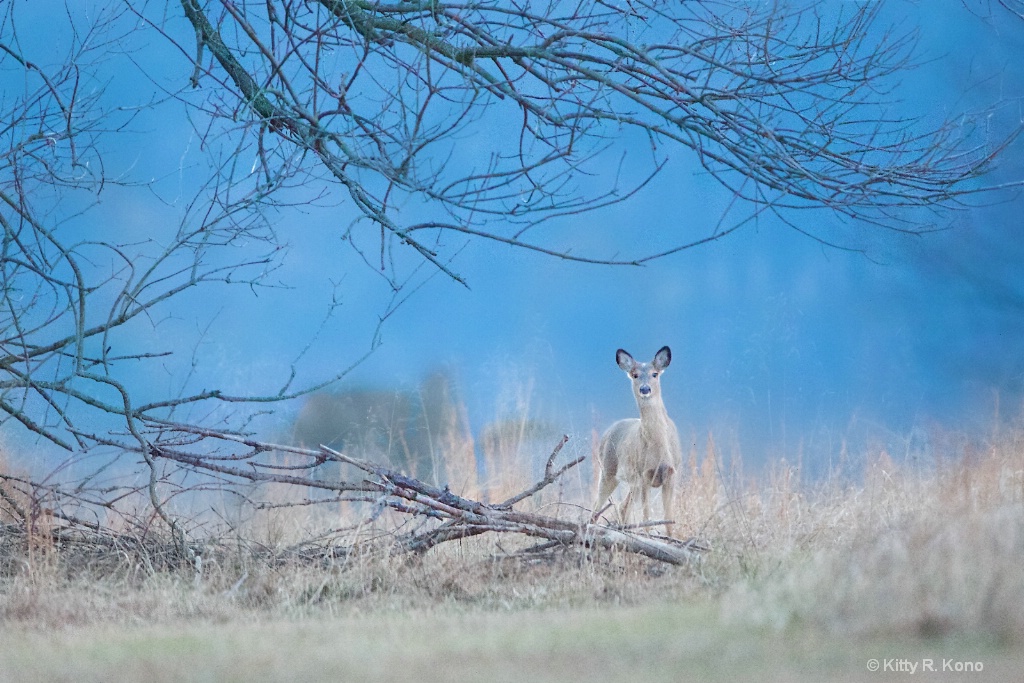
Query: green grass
column 672, row 642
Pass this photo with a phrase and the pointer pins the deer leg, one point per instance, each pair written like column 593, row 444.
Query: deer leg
column 667, row 496
column 606, row 485
column 645, row 501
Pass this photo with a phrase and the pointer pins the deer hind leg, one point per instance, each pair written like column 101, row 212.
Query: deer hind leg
column 605, row 487
column 667, row 498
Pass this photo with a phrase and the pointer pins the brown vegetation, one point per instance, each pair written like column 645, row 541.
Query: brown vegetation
column 918, row 549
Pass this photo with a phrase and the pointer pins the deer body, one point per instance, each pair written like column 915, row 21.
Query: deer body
column 644, row 452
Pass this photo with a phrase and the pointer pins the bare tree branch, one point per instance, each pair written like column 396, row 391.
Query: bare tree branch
column 433, row 124
column 787, row 106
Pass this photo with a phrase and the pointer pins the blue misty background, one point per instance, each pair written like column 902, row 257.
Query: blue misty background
column 782, row 347
column 790, row 346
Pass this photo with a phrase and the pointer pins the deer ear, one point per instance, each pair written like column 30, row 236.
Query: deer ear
column 624, row 360
column 662, row 358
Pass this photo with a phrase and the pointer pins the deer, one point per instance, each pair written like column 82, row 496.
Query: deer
column 642, row 452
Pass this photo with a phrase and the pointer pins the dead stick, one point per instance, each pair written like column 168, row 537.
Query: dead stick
column 549, row 476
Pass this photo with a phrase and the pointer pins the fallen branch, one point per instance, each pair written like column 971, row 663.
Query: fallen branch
column 447, row 516
column 465, row 517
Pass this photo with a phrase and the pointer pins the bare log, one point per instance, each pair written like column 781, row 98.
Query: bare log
column 448, row 515
column 466, row 517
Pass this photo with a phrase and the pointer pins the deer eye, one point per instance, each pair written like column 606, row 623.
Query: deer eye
column 654, row 374
column 636, row 375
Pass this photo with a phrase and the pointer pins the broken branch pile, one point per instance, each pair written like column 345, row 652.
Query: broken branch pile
column 464, row 517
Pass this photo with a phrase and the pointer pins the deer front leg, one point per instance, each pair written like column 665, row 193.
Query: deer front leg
column 645, row 501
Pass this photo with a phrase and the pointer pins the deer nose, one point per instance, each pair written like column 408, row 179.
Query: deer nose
column 644, row 389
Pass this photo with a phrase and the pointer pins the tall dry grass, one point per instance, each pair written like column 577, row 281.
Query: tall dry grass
column 897, row 547
column 913, row 549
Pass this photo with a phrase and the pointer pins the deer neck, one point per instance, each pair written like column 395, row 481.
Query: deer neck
column 652, row 411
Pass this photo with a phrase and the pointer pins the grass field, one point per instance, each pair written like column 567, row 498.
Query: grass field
column 905, row 566
column 653, row 643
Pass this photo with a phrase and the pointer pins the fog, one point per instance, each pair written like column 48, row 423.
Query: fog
column 783, row 346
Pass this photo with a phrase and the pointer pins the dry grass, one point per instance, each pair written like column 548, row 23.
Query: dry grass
column 906, row 552
column 924, row 553
column 64, row 589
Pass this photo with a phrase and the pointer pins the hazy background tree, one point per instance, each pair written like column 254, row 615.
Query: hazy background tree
column 409, row 430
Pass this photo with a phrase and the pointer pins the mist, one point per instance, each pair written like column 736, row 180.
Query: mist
column 785, row 345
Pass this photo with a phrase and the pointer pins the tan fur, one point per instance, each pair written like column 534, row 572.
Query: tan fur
column 644, row 453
